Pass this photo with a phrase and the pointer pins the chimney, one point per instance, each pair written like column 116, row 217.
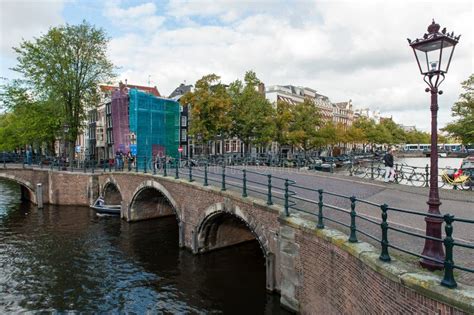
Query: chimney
column 261, row 88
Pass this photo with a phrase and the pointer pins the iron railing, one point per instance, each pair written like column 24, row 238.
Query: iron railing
column 294, row 198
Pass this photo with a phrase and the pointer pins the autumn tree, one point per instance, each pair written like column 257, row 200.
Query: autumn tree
column 304, row 124
column 251, row 113
column 210, row 105
column 66, row 65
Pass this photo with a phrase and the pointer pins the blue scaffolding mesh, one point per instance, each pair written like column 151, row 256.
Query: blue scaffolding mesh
column 155, row 122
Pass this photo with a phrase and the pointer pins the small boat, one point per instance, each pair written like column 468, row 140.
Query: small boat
column 100, row 207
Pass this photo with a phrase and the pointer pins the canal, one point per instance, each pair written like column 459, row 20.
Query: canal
column 68, row 259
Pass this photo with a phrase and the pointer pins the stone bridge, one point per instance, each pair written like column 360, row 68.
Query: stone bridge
column 315, row 271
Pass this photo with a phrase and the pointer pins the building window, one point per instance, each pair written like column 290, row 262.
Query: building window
column 184, row 135
column 234, row 146
column 227, row 146
column 184, row 121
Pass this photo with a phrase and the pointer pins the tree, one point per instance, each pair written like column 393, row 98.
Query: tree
column 210, row 105
column 365, row 127
column 283, row 117
column 27, row 120
column 397, row 134
column 66, row 65
column 463, row 110
column 304, row 124
column 251, row 113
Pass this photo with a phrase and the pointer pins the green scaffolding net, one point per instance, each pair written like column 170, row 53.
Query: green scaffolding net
column 155, row 123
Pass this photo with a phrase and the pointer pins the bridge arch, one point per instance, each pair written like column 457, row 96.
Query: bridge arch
column 28, row 190
column 112, row 192
column 224, row 224
column 152, row 200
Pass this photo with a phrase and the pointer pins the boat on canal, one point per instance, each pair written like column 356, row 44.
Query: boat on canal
column 101, row 208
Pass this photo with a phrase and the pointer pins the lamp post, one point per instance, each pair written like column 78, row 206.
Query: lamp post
column 431, row 52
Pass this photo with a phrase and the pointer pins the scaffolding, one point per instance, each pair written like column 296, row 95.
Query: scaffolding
column 155, row 122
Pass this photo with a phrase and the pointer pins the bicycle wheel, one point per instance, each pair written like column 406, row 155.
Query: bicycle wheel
column 468, row 184
column 360, row 171
column 417, row 180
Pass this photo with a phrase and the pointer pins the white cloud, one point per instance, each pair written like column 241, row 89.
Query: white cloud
column 23, row 19
column 142, row 16
column 343, row 49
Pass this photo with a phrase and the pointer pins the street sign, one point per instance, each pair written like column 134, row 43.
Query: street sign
column 180, row 149
column 78, row 149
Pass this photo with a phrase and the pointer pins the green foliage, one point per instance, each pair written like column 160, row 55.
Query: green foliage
column 26, row 120
column 210, row 106
column 251, row 112
column 283, row 117
column 463, row 110
column 304, row 124
column 66, row 65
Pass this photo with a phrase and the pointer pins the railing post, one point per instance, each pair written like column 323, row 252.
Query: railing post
column 136, row 164
column 427, row 175
column 223, row 177
column 448, row 278
column 396, row 173
column 85, row 166
column 190, row 171
column 350, row 169
column 353, row 236
column 372, row 169
column 384, row 256
column 153, row 162
column 93, row 166
column 144, row 165
column 129, row 165
column 110, row 167
column 244, row 184
column 59, row 164
column 176, row 175
column 269, row 194
column 205, row 175
column 165, row 169
column 104, row 165
column 287, row 196
column 72, row 165
column 320, row 210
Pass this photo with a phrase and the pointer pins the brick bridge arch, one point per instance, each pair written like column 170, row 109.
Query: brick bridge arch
column 111, row 191
column 225, row 224
column 150, row 199
column 28, row 190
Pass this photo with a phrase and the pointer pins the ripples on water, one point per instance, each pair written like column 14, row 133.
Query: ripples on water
column 68, row 259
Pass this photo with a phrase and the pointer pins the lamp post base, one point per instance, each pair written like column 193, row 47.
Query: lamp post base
column 433, row 249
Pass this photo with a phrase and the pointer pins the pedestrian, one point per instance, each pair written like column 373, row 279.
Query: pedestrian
column 389, row 171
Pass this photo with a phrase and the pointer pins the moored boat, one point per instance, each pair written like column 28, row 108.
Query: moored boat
column 100, row 207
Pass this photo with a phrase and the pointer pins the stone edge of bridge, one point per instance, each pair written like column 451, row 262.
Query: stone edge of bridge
column 417, row 279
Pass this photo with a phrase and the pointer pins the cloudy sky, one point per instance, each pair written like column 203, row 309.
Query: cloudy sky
column 343, row 49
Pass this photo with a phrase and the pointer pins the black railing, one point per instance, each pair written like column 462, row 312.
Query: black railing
column 294, row 198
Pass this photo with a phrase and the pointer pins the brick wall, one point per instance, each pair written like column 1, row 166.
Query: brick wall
column 321, row 277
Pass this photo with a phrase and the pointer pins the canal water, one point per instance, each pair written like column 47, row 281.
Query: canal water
column 423, row 161
column 68, row 259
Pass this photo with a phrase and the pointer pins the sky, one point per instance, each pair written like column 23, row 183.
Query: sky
column 345, row 50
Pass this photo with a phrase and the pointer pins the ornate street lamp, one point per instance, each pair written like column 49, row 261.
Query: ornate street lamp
column 433, row 54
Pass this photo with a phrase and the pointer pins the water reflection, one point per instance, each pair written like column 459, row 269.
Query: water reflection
column 68, row 259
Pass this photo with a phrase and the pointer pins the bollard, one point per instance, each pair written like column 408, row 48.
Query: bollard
column 154, row 167
column 269, row 194
column 448, row 278
column 129, row 164
column 165, row 167
column 104, row 165
column 110, row 167
column 244, row 184
column 205, row 175
column 93, row 166
column 384, row 256
column 320, row 210
column 144, row 165
column 85, row 166
column 223, row 178
column 136, row 164
column 39, row 195
column 287, row 195
column 353, row 236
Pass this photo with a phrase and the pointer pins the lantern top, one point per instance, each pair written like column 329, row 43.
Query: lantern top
column 434, row 35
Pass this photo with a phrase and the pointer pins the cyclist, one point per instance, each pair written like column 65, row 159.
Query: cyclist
column 389, row 171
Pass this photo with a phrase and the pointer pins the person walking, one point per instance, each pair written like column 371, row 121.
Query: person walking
column 389, row 171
